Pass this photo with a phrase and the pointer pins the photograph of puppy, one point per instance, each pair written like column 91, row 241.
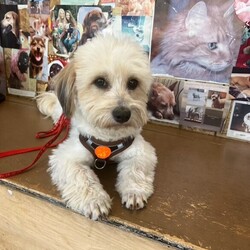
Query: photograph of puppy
column 217, row 101
column 161, row 101
column 37, row 50
column 10, row 29
column 106, row 101
column 19, row 67
column 94, row 22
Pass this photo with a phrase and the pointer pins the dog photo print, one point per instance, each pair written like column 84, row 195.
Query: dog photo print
column 195, row 39
column 165, row 99
column 239, row 125
column 239, row 88
column 9, row 37
column 204, row 105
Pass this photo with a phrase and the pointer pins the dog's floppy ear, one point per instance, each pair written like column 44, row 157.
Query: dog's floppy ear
column 64, row 84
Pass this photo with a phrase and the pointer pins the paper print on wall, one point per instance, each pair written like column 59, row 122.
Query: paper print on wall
column 136, row 7
column 195, row 40
column 9, row 37
column 204, row 105
column 240, row 87
column 165, row 99
column 94, row 20
column 17, row 73
column 239, row 125
column 243, row 59
column 139, row 28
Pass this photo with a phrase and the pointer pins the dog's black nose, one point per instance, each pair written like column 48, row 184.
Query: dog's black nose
column 121, row 114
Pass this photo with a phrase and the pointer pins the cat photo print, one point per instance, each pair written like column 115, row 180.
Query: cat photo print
column 196, row 40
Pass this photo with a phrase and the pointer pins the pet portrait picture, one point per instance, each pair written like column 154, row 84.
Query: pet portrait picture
column 9, row 22
column 204, row 105
column 165, row 99
column 239, row 124
column 195, row 39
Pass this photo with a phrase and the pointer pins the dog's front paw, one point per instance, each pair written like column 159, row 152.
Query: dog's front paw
column 134, row 200
column 96, row 205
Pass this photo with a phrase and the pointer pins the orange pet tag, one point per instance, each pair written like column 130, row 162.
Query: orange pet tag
column 102, row 152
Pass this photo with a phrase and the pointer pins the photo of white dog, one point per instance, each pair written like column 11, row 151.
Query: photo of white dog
column 104, row 91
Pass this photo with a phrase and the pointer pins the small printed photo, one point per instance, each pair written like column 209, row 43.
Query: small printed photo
column 194, row 114
column 240, row 118
column 39, row 25
column 139, row 28
column 239, row 88
column 136, row 7
column 19, row 67
column 94, row 20
column 216, row 99
column 213, row 117
column 38, row 58
column 39, row 7
column 243, row 59
column 165, row 99
column 9, row 18
column 196, row 96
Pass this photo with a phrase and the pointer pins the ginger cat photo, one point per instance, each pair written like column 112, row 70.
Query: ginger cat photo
column 195, row 39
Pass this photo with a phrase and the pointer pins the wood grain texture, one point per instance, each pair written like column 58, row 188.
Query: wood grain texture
column 31, row 223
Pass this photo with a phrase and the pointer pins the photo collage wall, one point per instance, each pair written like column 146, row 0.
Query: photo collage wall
column 199, row 53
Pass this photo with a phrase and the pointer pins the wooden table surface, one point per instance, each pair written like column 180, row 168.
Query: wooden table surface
column 202, row 184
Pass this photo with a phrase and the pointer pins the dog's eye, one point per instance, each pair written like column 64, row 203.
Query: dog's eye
column 101, row 83
column 132, row 84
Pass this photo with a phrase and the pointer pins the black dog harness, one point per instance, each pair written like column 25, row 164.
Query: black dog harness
column 103, row 151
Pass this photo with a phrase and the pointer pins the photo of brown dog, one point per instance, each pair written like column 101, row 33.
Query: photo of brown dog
column 94, row 22
column 10, row 30
column 161, row 101
column 37, row 50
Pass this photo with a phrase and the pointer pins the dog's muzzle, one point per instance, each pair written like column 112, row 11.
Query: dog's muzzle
column 121, row 114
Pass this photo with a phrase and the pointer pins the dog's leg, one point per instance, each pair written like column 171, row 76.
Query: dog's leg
column 79, row 186
column 136, row 174
column 48, row 104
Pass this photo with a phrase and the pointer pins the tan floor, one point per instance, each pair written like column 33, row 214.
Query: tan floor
column 202, row 186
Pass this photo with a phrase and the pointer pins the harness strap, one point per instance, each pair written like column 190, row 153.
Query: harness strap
column 107, row 149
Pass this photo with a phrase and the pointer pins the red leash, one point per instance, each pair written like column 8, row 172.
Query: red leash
column 62, row 123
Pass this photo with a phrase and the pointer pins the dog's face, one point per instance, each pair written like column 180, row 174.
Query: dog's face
column 8, row 23
column 106, row 84
column 54, row 70
column 94, row 22
column 214, row 96
column 23, row 62
column 163, row 100
column 37, row 48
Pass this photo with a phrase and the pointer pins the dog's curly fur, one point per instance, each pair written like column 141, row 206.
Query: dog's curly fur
column 90, row 103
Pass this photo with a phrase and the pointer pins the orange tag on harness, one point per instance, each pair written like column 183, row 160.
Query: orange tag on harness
column 102, row 152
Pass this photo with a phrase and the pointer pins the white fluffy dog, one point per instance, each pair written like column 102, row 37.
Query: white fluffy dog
column 104, row 91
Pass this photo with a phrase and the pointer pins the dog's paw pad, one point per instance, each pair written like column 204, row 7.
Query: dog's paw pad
column 134, row 201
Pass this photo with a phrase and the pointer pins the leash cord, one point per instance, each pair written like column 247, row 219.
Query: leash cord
column 62, row 123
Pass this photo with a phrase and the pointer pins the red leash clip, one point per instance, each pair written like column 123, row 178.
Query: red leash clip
column 62, row 123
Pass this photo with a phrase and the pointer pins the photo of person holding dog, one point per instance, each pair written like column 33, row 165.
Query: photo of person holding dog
column 66, row 33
